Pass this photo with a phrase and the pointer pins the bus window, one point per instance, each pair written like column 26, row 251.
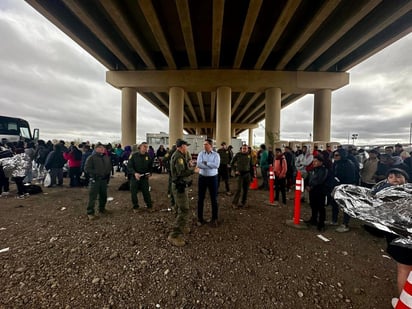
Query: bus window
column 25, row 133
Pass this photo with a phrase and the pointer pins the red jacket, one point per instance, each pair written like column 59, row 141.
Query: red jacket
column 69, row 156
column 280, row 166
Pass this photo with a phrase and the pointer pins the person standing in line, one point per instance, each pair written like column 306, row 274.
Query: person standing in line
column 208, row 162
column 242, row 163
column 291, row 171
column 180, row 171
column 400, row 253
column 139, row 168
column 317, row 193
column 344, row 172
column 55, row 162
column 98, row 166
column 264, row 167
column 223, row 171
column 370, row 166
column 280, row 168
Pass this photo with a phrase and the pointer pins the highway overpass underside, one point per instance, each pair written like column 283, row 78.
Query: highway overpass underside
column 218, row 67
column 215, row 115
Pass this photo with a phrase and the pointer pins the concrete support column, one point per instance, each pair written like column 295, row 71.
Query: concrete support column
column 129, row 116
column 176, row 104
column 223, row 112
column 233, row 133
column 197, row 131
column 251, row 140
column 273, row 104
column 322, row 115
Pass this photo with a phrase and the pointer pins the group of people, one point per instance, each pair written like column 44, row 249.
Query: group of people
column 322, row 170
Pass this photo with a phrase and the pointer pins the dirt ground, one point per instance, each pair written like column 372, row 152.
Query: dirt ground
column 59, row 259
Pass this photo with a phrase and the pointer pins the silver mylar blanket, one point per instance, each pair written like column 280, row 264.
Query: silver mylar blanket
column 388, row 210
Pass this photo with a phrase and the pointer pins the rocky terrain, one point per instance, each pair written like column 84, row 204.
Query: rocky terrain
column 59, row 259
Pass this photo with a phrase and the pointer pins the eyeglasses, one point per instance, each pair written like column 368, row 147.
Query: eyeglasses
column 336, row 155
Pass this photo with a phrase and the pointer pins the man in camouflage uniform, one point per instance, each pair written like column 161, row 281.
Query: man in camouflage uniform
column 242, row 163
column 180, row 177
column 225, row 158
column 139, row 168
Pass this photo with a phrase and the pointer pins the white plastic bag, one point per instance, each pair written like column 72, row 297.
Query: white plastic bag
column 47, row 180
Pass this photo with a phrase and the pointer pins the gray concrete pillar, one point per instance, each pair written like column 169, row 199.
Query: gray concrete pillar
column 273, row 105
column 251, row 140
column 322, row 115
column 176, row 105
column 129, row 116
column 223, row 114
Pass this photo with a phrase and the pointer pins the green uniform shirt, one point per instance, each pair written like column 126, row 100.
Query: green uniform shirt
column 179, row 166
column 98, row 166
column 242, row 162
column 224, row 156
column 140, row 163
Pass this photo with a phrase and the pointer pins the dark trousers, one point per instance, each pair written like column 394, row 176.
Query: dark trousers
column 74, row 173
column 4, row 181
column 223, row 173
column 280, row 186
column 317, row 204
column 335, row 213
column 243, row 182
column 56, row 173
column 97, row 188
column 140, row 185
column 207, row 183
column 19, row 184
column 265, row 177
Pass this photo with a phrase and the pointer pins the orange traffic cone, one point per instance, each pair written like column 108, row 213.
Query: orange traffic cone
column 254, row 184
column 405, row 299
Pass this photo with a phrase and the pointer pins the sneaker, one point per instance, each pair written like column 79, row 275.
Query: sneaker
column 394, row 302
column 27, row 194
column 176, row 241
column 20, row 197
column 91, row 217
column 342, row 229
column 228, row 193
column 5, row 194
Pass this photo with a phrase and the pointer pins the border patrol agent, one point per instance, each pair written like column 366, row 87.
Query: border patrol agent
column 242, row 163
column 181, row 171
column 139, row 168
column 98, row 166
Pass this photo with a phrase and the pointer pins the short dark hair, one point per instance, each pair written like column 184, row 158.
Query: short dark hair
column 209, row 141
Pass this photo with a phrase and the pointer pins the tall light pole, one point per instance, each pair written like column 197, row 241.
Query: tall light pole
column 354, row 137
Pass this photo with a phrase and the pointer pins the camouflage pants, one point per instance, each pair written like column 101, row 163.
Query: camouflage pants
column 182, row 206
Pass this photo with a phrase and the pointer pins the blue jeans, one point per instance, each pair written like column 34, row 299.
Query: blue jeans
column 335, row 213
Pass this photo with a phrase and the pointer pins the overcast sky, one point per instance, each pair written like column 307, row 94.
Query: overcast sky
column 59, row 88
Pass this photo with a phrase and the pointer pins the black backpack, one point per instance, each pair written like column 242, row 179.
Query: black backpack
column 271, row 157
column 6, row 154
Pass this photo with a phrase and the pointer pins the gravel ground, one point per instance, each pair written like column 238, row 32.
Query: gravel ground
column 59, row 259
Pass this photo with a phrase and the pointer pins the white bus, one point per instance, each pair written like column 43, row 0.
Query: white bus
column 16, row 129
